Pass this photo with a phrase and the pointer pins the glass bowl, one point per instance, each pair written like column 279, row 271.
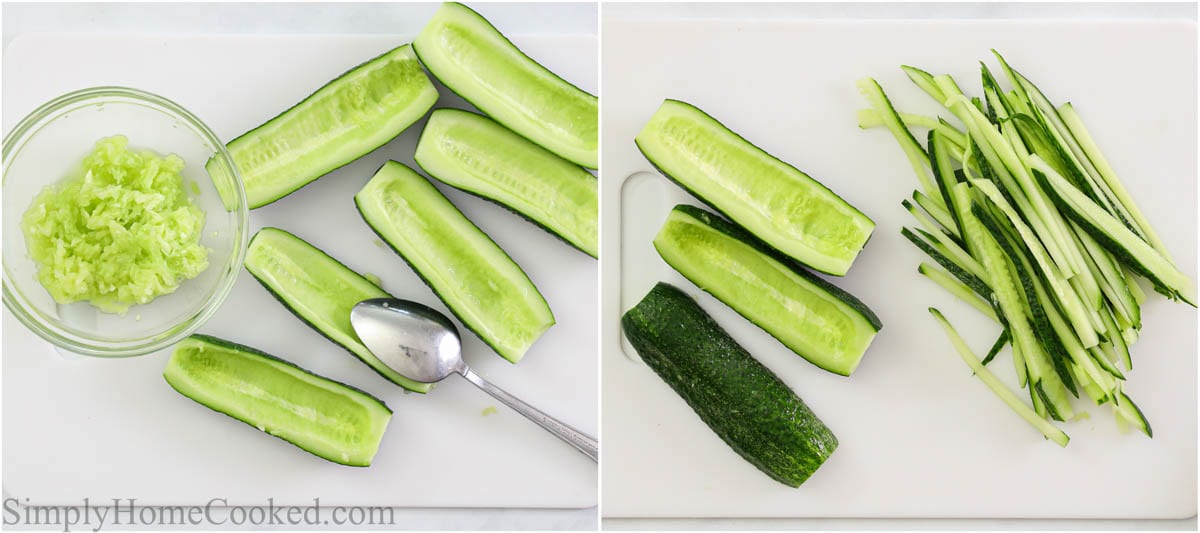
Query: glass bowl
column 50, row 144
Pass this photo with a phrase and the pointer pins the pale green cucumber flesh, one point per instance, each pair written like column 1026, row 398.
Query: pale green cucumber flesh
column 475, row 154
column 779, row 204
column 350, row 116
column 822, row 324
column 326, row 418
column 319, row 290
column 471, row 274
column 471, row 57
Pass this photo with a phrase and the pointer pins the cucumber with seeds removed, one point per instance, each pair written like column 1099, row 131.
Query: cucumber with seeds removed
column 745, row 404
column 331, row 420
column 319, row 290
column 471, row 274
column 475, row 154
column 471, row 57
column 779, row 204
column 823, row 324
column 350, row 116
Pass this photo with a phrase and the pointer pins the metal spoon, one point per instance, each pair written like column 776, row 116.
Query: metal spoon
column 421, row 344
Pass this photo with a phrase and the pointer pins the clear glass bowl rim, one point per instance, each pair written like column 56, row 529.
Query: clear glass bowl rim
column 28, row 127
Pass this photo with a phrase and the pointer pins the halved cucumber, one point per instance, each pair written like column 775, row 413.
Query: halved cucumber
column 331, row 420
column 474, row 153
column 823, row 324
column 319, row 290
column 480, row 283
column 741, row 400
column 471, row 57
column 354, row 114
column 779, row 204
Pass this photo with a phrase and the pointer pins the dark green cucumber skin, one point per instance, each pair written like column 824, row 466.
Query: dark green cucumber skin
column 741, row 400
column 1110, row 244
column 970, row 280
column 283, row 301
column 422, row 276
column 1023, row 265
column 247, row 349
column 417, row 50
column 305, row 99
column 713, row 206
column 497, row 202
column 737, row 232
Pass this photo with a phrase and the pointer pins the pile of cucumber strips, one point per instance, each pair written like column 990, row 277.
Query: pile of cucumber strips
column 528, row 152
column 775, row 223
column 1031, row 226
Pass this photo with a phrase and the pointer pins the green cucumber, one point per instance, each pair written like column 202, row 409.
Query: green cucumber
column 331, row 420
column 319, row 290
column 350, row 116
column 779, row 204
column 477, row 155
column 1132, row 250
column 476, row 279
column 1007, row 396
column 823, row 324
column 741, row 400
column 471, row 57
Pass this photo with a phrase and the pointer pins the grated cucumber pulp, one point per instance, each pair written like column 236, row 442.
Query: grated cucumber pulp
column 121, row 232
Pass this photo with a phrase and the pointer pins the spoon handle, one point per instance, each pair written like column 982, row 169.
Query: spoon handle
column 580, row 440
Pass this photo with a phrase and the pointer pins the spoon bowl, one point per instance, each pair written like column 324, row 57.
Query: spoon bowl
column 413, row 339
column 423, row 345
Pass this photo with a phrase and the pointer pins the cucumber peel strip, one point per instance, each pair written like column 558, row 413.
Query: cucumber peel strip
column 1050, row 431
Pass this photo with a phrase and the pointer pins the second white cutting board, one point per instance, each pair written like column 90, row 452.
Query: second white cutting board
column 920, row 437
column 76, row 428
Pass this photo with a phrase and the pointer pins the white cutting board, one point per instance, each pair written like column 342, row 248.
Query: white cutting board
column 113, row 428
column 920, row 437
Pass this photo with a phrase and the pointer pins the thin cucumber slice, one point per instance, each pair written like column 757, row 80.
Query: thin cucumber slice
column 779, row 204
column 871, row 118
column 1046, row 428
column 938, row 213
column 472, row 58
column 1075, row 126
column 931, row 227
column 1117, row 287
column 823, row 324
column 319, row 290
column 925, row 81
column 474, row 153
column 975, row 283
column 350, row 116
column 1129, row 411
column 331, row 420
column 957, row 288
column 917, row 156
column 1001, row 278
column 943, row 174
column 1113, row 235
column 1001, row 341
column 741, row 400
column 480, row 283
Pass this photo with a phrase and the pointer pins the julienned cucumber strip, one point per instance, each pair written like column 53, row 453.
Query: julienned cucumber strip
column 917, row 156
column 1075, row 126
column 823, row 324
column 1051, row 227
column 1049, row 430
column 331, row 420
column 779, row 204
column 319, row 290
column 741, row 400
column 475, row 154
column 473, row 59
column 354, row 114
column 466, row 269
column 1114, row 236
